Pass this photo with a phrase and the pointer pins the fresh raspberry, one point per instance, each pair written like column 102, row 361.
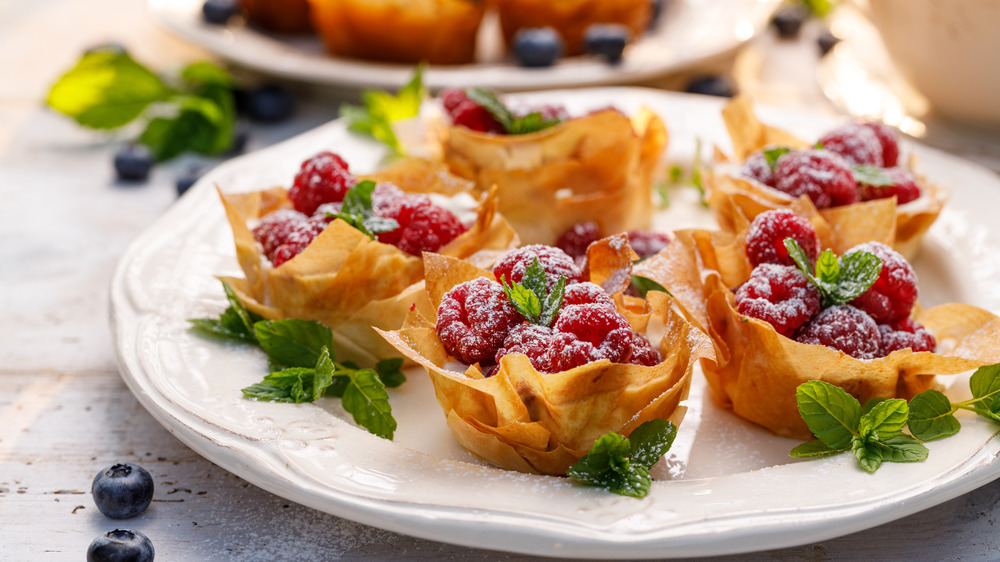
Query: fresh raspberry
column 767, row 233
column 554, row 261
column 324, row 178
column 326, row 212
column 646, row 243
column 466, row 113
column 904, row 187
column 474, row 318
column 274, row 228
column 385, row 197
column 548, row 112
column 587, row 293
column 423, row 226
column 532, row 340
column 587, row 333
column 906, row 333
column 857, row 143
column 756, row 168
column 643, row 352
column 780, row 295
column 821, row 175
column 888, row 139
column 892, row 296
column 846, row 328
column 578, row 238
column 452, row 98
column 296, row 239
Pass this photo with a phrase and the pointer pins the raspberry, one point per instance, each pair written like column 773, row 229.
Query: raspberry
column 646, row 243
column 384, row 198
column 643, row 352
column 892, row 296
column 532, row 340
column 845, row 328
column 326, row 212
column 590, row 332
column 423, row 226
column 857, row 143
column 889, row 141
column 767, row 233
column 548, row 112
column 466, row 113
column 474, row 318
column 577, row 238
column 780, row 295
column 756, row 168
column 905, row 334
column 554, row 261
column 821, row 175
column 904, row 187
column 324, row 178
column 587, row 293
column 285, row 233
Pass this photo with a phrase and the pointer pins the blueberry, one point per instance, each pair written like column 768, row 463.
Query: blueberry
column 607, row 40
column 121, row 545
column 218, row 12
column 788, row 20
column 826, row 41
column 186, row 181
column 270, row 103
column 537, row 46
column 711, row 86
column 122, row 490
column 133, row 163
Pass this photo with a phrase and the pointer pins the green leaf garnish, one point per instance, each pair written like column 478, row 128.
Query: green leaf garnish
column 872, row 175
column 839, row 280
column 201, row 125
column 532, row 298
column 357, row 211
column 644, row 285
column 380, row 109
column 830, row 412
column 530, row 123
column 814, row 449
column 367, row 401
column 390, row 371
column 293, row 342
column 621, row 464
column 932, row 416
column 771, row 155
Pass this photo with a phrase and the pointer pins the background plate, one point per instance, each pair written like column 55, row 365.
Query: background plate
column 726, row 486
column 689, row 32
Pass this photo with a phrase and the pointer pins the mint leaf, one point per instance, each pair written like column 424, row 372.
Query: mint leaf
column 872, row 175
column 840, row 282
column 771, row 155
column 381, row 109
column 491, row 103
column 827, row 268
column 535, row 280
column 886, row 419
column 644, row 285
column 205, row 73
column 814, row 449
column 106, row 90
column 531, row 123
column 871, row 403
column 532, row 298
column 390, row 372
column 902, row 448
column 985, row 386
column 800, row 257
column 932, row 416
column 651, row 440
column 831, row 413
column 293, row 342
column 366, row 399
column 524, row 300
column 868, row 453
column 323, row 377
column 357, row 211
column 287, row 385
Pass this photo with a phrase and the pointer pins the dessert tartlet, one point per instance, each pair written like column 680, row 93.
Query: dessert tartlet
column 281, row 16
column 571, row 18
column 532, row 396
column 302, row 260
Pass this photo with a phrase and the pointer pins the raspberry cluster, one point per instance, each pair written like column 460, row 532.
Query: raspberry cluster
column 477, row 323
column 317, row 196
column 872, row 325
column 465, row 112
column 857, row 161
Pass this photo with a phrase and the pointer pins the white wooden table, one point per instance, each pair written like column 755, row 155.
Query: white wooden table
column 64, row 411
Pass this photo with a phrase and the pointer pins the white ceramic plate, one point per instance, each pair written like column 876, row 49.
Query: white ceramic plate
column 726, row 486
column 690, row 32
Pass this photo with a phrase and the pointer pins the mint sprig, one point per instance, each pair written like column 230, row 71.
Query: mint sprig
column 872, row 175
column 304, row 367
column 621, row 464
column 771, row 155
column 357, row 211
column 836, row 419
column 380, row 109
column 532, row 297
column 839, row 280
column 932, row 415
column 108, row 90
column 513, row 125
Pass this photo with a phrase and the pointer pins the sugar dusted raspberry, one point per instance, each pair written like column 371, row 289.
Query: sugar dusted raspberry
column 324, row 178
column 423, row 226
column 587, row 293
column 888, row 139
column 385, row 197
column 295, row 240
column 532, row 340
column 466, row 113
column 780, row 295
column 904, row 187
column 906, row 333
column 821, row 175
column 756, row 168
column 326, row 212
column 856, row 143
column 474, row 318
column 590, row 332
column 273, row 229
column 554, row 261
column 578, row 238
column 845, row 328
column 892, row 296
column 643, row 352
column 767, row 233
column 452, row 98
column 646, row 243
